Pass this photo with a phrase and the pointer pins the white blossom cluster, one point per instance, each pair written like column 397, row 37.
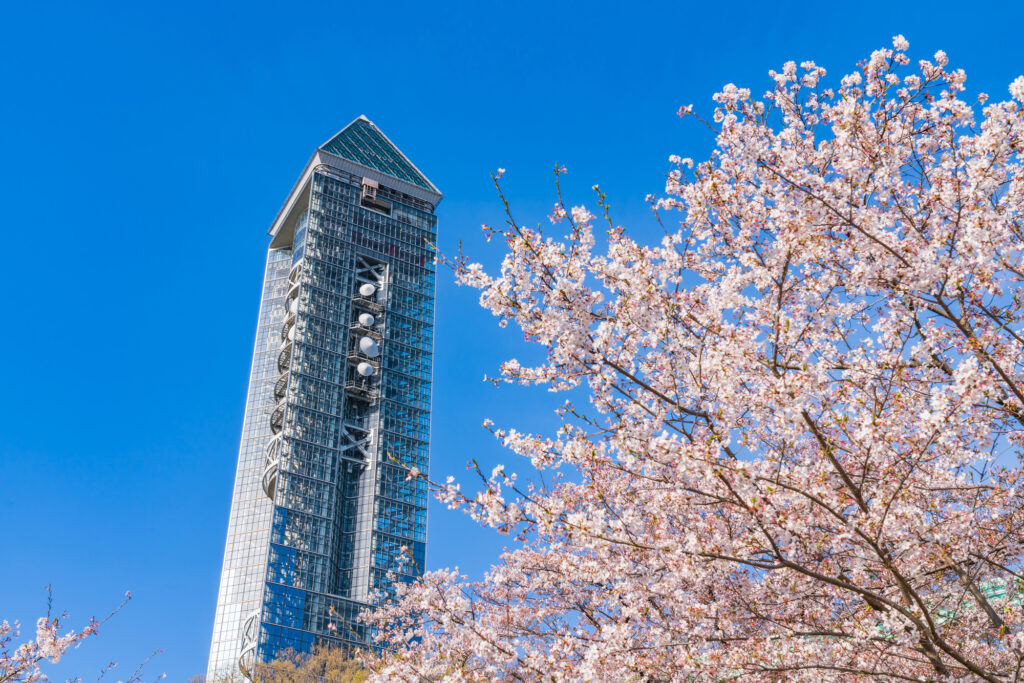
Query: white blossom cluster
column 800, row 460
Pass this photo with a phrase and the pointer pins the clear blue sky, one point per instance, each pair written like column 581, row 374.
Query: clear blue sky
column 147, row 146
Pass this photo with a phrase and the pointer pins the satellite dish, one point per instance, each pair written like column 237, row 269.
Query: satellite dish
column 291, row 333
column 366, row 319
column 369, row 347
column 365, row 369
column 367, row 289
column 294, row 305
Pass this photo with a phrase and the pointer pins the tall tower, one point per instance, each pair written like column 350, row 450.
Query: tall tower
column 338, row 407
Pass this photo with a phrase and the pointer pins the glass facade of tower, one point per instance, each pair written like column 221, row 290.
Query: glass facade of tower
column 338, row 408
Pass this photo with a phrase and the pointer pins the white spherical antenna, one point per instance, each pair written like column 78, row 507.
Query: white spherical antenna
column 365, row 319
column 369, row 347
column 367, row 289
column 364, row 369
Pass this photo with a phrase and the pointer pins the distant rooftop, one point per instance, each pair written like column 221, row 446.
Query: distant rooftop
column 363, row 143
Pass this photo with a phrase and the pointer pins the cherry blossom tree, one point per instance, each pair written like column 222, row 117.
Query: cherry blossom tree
column 800, row 458
column 51, row 644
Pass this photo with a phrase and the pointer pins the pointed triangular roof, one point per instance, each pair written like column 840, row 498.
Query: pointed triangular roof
column 363, row 143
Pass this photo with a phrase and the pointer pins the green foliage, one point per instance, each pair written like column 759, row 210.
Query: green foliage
column 323, row 665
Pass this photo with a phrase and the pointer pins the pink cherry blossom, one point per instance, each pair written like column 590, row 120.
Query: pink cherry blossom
column 800, row 460
column 51, row 644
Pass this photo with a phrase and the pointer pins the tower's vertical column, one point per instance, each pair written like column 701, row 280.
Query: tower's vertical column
column 245, row 552
column 363, row 386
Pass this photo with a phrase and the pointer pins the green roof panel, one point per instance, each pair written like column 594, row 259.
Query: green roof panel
column 362, row 142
